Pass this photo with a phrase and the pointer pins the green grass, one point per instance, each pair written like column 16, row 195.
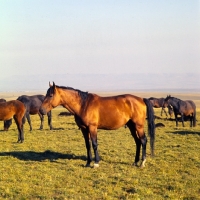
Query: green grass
column 50, row 164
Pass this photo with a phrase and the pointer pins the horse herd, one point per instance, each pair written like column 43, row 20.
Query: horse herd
column 92, row 112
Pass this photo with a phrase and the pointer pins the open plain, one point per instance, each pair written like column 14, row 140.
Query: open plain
column 50, row 163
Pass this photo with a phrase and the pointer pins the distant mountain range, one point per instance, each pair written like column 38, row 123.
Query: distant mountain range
column 104, row 82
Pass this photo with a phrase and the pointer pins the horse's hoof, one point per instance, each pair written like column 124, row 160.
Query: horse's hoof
column 96, row 165
column 135, row 164
column 87, row 165
column 143, row 164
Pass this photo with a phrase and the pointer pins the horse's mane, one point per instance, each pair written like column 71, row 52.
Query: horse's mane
column 174, row 98
column 82, row 94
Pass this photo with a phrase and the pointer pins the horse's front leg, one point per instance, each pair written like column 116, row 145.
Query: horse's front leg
column 49, row 120
column 93, row 136
column 182, row 119
column 85, row 133
column 163, row 109
column 41, row 120
column 176, row 119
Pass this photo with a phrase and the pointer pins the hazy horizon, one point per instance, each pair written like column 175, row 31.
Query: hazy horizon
column 105, row 82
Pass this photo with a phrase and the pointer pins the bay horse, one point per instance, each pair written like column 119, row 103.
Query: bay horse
column 184, row 108
column 158, row 103
column 14, row 109
column 92, row 112
column 6, row 123
column 32, row 104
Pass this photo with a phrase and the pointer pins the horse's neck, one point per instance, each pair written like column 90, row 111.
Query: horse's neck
column 175, row 102
column 71, row 101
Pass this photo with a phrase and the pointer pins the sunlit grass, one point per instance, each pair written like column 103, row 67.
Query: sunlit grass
column 50, row 164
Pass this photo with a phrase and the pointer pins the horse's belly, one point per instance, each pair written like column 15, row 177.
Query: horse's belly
column 33, row 111
column 5, row 116
column 111, row 124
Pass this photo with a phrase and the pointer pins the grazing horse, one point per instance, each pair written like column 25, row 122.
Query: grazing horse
column 158, row 103
column 32, row 104
column 92, row 112
column 7, row 123
column 15, row 109
column 183, row 108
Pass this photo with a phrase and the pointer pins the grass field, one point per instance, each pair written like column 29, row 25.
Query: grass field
column 50, row 164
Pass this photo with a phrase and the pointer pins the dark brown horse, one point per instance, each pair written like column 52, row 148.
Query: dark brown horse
column 184, row 108
column 93, row 112
column 32, row 104
column 7, row 123
column 158, row 103
column 14, row 109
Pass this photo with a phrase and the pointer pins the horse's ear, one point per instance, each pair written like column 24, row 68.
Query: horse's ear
column 54, row 86
column 50, row 84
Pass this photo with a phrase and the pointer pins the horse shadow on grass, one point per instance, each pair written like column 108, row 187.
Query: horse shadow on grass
column 41, row 156
column 184, row 132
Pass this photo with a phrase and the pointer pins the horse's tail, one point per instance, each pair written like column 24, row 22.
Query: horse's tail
column 151, row 124
column 194, row 118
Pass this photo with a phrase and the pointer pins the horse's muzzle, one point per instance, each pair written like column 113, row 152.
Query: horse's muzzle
column 43, row 111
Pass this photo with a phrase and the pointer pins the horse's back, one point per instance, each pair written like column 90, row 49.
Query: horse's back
column 156, row 102
column 28, row 99
column 16, row 105
column 124, row 101
column 32, row 103
column 10, row 108
column 114, row 111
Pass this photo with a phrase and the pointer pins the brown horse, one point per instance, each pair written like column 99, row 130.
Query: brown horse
column 158, row 103
column 7, row 123
column 15, row 109
column 93, row 112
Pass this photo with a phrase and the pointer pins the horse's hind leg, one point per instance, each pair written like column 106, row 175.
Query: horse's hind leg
column 141, row 139
column 191, row 120
column 194, row 119
column 29, row 120
column 132, row 128
column 19, row 123
column 93, row 136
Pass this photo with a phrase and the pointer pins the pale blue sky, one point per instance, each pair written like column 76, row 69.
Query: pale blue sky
column 104, row 36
